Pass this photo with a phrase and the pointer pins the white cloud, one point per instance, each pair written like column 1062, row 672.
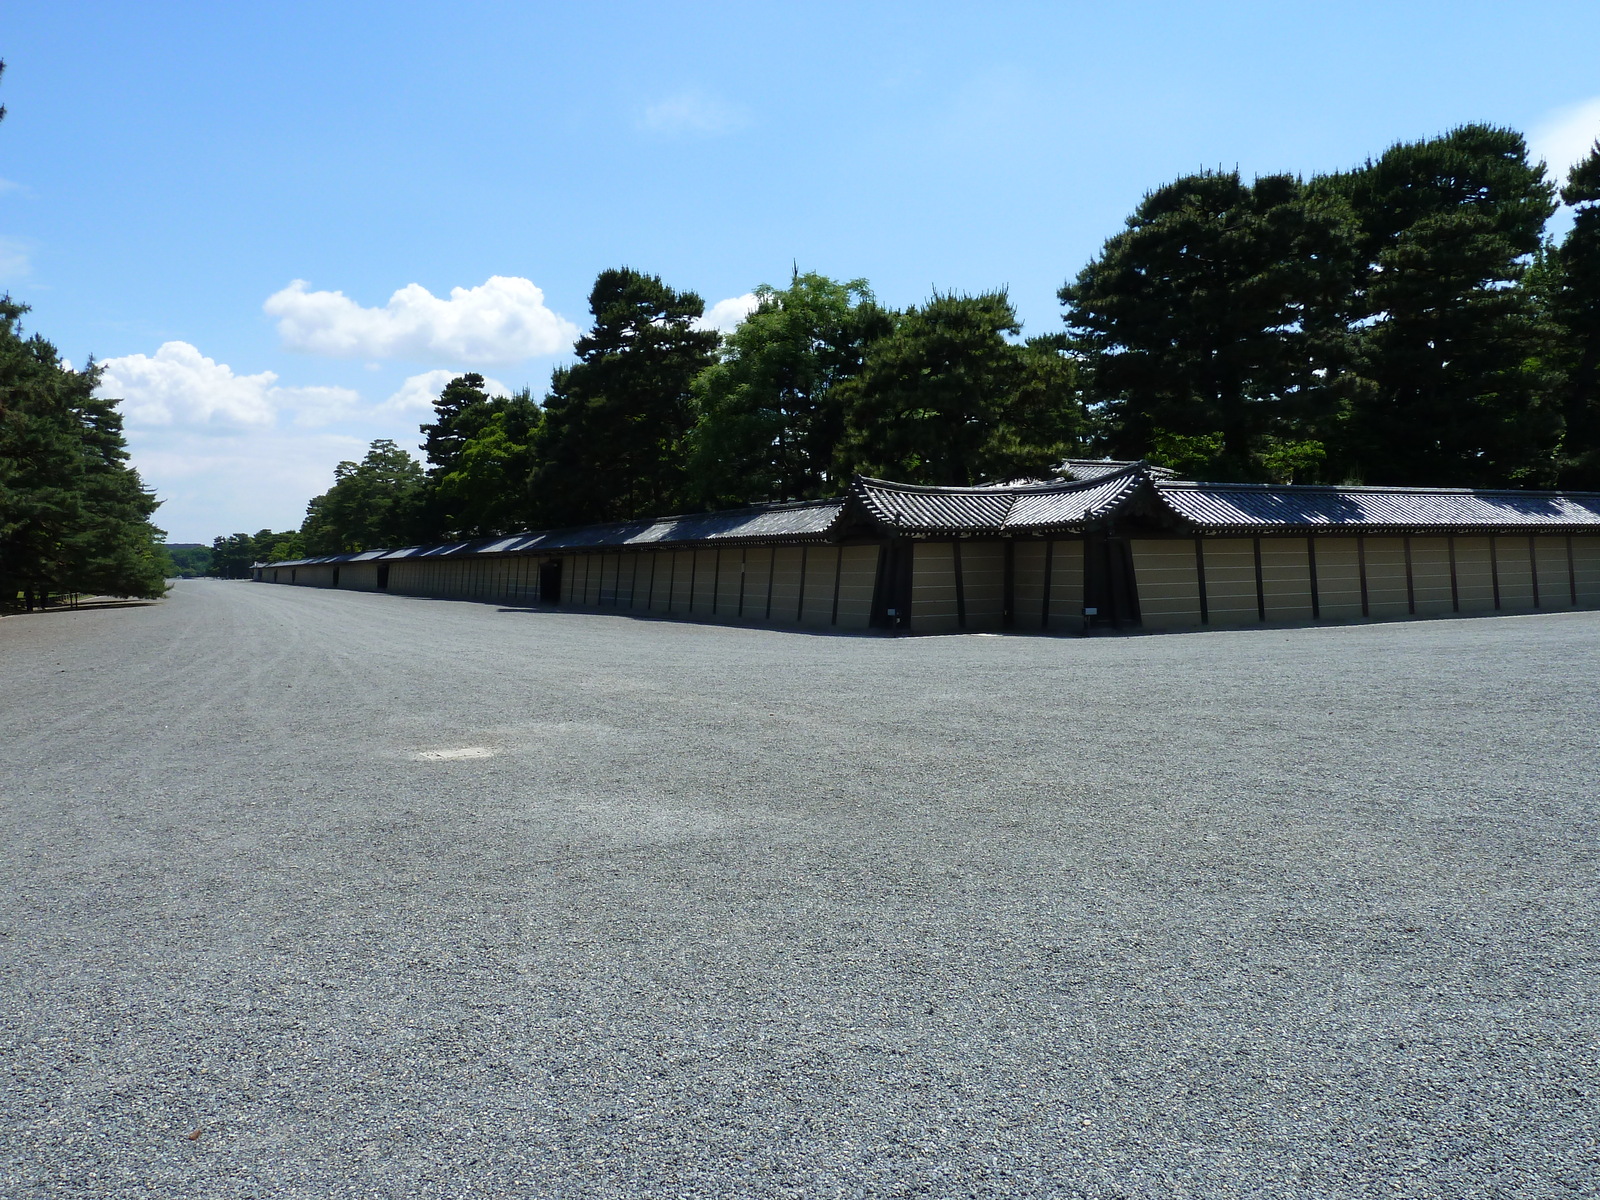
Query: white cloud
column 1564, row 136
column 9, row 185
column 215, row 482
column 693, row 112
column 180, row 386
column 417, row 393
column 725, row 315
column 502, row 320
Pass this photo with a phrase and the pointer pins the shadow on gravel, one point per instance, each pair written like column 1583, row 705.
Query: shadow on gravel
column 79, row 607
column 712, row 622
column 1126, row 631
column 570, row 610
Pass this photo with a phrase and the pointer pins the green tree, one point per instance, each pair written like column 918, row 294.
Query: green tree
column 486, row 488
column 770, row 411
column 188, row 559
column 1213, row 326
column 374, row 503
column 74, row 517
column 946, row 398
column 279, row 547
column 1459, row 362
column 232, row 555
column 460, row 411
column 611, row 446
column 1045, row 419
column 1574, row 305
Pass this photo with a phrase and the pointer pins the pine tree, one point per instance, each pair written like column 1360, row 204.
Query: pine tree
column 1575, row 306
column 74, row 517
column 770, row 412
column 479, row 460
column 1457, row 358
column 232, row 554
column 459, row 412
column 1213, row 325
column 487, row 488
column 611, row 446
column 374, row 503
column 946, row 398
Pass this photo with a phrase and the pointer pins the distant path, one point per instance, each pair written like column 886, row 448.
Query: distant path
column 694, row 910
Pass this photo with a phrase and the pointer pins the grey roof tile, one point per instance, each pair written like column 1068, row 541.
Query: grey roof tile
column 995, row 510
column 1264, row 506
column 1059, row 506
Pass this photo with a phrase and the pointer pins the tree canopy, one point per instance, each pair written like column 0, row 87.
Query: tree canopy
column 946, row 397
column 480, row 459
column 612, row 442
column 1213, row 324
column 74, row 516
column 231, row 556
column 1574, row 306
column 770, row 413
column 1457, row 358
column 373, row 503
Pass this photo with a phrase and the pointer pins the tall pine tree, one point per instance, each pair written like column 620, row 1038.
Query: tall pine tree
column 374, row 503
column 1575, row 306
column 1216, row 321
column 1457, row 358
column 486, row 489
column 611, row 446
column 74, row 517
column 479, row 452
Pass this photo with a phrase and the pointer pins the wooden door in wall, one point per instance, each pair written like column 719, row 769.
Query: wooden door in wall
column 550, row 582
column 891, row 597
column 1110, row 589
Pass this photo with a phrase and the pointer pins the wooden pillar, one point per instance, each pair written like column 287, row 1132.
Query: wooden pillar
column 961, row 593
column 1316, row 595
column 1261, row 586
column 1008, row 592
column 1361, row 566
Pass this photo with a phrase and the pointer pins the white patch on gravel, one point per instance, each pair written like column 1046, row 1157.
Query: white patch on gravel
column 463, row 752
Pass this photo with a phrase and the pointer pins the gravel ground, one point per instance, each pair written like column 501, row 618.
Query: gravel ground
column 741, row 912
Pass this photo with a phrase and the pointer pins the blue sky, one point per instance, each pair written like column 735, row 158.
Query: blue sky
column 171, row 171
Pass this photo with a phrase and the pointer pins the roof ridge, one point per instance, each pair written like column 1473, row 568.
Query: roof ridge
column 1370, row 488
column 1002, row 489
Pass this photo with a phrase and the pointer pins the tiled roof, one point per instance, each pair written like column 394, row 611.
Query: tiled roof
column 995, row 510
column 805, row 521
column 1243, row 506
column 1107, row 488
column 1098, row 468
column 782, row 521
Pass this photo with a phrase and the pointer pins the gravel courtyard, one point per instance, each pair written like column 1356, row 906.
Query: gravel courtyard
column 742, row 912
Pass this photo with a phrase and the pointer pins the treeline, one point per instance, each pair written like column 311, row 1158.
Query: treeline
column 74, row 517
column 658, row 415
column 189, row 559
column 1403, row 323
